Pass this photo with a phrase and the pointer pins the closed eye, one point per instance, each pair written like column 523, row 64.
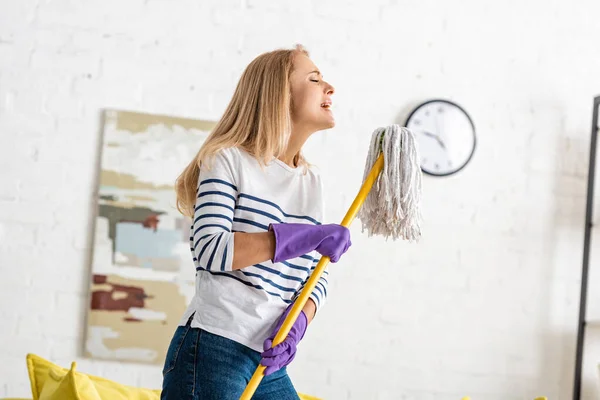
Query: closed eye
column 314, row 80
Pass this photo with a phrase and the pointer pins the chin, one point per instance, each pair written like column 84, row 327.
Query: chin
column 322, row 124
column 328, row 124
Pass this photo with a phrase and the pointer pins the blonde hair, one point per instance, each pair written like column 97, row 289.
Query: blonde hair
column 257, row 119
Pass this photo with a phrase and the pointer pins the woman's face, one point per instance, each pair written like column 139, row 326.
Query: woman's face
column 311, row 96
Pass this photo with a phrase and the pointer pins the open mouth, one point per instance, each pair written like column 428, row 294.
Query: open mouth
column 326, row 105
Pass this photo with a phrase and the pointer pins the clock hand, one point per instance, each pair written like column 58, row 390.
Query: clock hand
column 439, row 130
column 442, row 145
column 437, row 138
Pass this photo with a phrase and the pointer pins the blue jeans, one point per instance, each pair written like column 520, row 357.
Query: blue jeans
column 203, row 366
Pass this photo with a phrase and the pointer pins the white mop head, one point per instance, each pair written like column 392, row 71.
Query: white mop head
column 392, row 207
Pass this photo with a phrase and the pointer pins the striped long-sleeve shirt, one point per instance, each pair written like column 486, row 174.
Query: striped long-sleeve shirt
column 235, row 195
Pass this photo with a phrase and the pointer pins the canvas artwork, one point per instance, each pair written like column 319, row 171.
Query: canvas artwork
column 142, row 270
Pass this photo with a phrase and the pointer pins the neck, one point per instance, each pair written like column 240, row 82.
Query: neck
column 297, row 139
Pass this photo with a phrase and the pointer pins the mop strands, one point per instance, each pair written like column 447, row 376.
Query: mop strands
column 392, row 208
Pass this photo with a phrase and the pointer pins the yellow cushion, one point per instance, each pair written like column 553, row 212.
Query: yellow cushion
column 43, row 372
column 39, row 375
column 68, row 385
column 307, row 397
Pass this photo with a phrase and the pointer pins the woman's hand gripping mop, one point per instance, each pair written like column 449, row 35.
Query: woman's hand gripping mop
column 392, row 208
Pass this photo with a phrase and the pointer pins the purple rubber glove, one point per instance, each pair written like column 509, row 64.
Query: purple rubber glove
column 294, row 240
column 281, row 355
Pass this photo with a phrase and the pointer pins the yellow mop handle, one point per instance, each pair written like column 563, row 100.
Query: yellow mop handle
column 314, row 278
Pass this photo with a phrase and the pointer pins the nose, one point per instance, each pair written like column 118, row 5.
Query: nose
column 329, row 89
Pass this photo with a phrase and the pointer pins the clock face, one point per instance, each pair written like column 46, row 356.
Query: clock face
column 445, row 135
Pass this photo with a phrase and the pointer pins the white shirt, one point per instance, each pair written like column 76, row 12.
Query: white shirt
column 236, row 195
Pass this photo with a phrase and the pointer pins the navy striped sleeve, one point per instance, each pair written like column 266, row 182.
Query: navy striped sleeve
column 319, row 293
column 211, row 238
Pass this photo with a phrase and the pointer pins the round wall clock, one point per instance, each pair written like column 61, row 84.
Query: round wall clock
column 445, row 135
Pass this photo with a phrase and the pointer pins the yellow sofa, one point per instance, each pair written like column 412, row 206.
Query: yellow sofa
column 52, row 382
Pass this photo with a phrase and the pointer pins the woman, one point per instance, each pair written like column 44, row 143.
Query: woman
column 256, row 207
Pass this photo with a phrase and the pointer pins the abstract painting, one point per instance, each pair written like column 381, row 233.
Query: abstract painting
column 142, row 270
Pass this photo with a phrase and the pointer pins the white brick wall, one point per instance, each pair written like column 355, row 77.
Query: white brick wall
column 485, row 305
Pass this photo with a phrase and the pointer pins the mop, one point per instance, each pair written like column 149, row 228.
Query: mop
column 388, row 204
